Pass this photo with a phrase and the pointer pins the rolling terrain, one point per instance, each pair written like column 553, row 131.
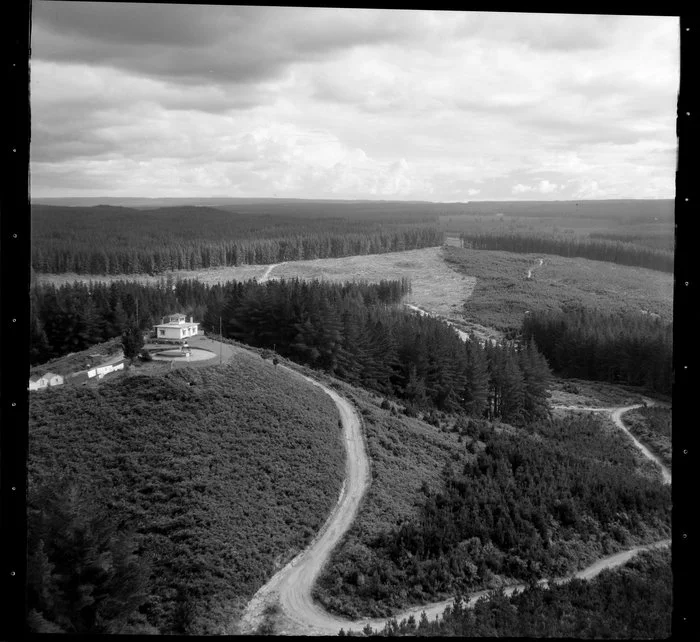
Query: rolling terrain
column 325, row 551
column 484, row 292
column 223, row 474
column 285, row 605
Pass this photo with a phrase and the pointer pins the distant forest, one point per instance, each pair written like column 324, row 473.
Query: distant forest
column 601, row 247
column 119, row 240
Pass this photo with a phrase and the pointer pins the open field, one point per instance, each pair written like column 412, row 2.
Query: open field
column 435, row 286
column 483, row 291
column 503, row 294
column 594, row 394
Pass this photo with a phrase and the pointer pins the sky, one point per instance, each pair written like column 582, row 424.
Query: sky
column 164, row 100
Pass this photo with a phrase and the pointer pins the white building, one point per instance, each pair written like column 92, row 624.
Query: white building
column 176, row 328
column 37, row 382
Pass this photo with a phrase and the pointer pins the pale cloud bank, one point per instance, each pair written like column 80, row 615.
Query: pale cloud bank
column 173, row 100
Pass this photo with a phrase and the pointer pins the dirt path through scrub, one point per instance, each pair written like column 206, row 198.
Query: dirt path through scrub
column 616, row 413
column 291, row 587
column 289, row 592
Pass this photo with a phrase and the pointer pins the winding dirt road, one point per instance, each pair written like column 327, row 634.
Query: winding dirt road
column 266, row 274
column 616, row 413
column 290, row 589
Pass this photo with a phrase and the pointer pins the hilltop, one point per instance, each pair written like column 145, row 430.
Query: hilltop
column 220, row 475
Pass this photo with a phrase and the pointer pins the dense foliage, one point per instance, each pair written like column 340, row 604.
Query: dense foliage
column 652, row 425
column 74, row 316
column 163, row 503
column 85, row 575
column 515, row 506
column 631, row 602
column 349, row 330
column 120, row 240
column 634, row 349
column 596, row 248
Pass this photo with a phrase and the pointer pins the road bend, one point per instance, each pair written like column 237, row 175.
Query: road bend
column 290, row 589
column 616, row 413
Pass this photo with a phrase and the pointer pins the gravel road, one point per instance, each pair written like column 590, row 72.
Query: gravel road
column 290, row 589
column 616, row 413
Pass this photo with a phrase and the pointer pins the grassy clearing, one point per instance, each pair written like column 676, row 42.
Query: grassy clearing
column 579, row 392
column 503, row 293
column 435, row 286
column 225, row 473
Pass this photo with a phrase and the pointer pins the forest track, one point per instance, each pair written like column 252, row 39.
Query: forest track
column 266, row 274
column 616, row 413
column 536, row 265
column 290, row 588
column 289, row 592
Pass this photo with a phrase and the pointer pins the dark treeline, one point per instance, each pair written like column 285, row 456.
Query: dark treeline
column 654, row 239
column 352, row 330
column 598, row 249
column 115, row 240
column 365, row 341
column 522, row 507
column 74, row 317
column 632, row 602
column 586, row 343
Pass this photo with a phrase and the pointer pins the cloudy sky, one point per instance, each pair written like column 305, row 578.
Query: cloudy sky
column 194, row 101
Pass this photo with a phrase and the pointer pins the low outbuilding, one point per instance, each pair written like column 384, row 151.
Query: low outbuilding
column 40, row 382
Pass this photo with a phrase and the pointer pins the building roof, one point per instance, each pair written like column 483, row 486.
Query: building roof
column 172, row 324
column 175, row 320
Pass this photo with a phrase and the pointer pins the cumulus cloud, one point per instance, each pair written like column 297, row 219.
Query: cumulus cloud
column 196, row 44
column 543, row 187
column 350, row 103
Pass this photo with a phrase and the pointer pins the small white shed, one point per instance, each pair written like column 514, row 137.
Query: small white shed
column 37, row 382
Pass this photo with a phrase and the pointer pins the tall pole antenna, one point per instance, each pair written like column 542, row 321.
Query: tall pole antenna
column 221, row 342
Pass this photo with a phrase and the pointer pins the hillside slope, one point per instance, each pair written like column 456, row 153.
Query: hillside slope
column 223, row 475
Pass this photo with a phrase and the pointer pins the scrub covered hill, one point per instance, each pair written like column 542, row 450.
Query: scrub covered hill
column 161, row 504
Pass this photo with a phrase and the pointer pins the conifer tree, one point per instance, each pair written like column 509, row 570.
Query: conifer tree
column 132, row 342
column 476, row 387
